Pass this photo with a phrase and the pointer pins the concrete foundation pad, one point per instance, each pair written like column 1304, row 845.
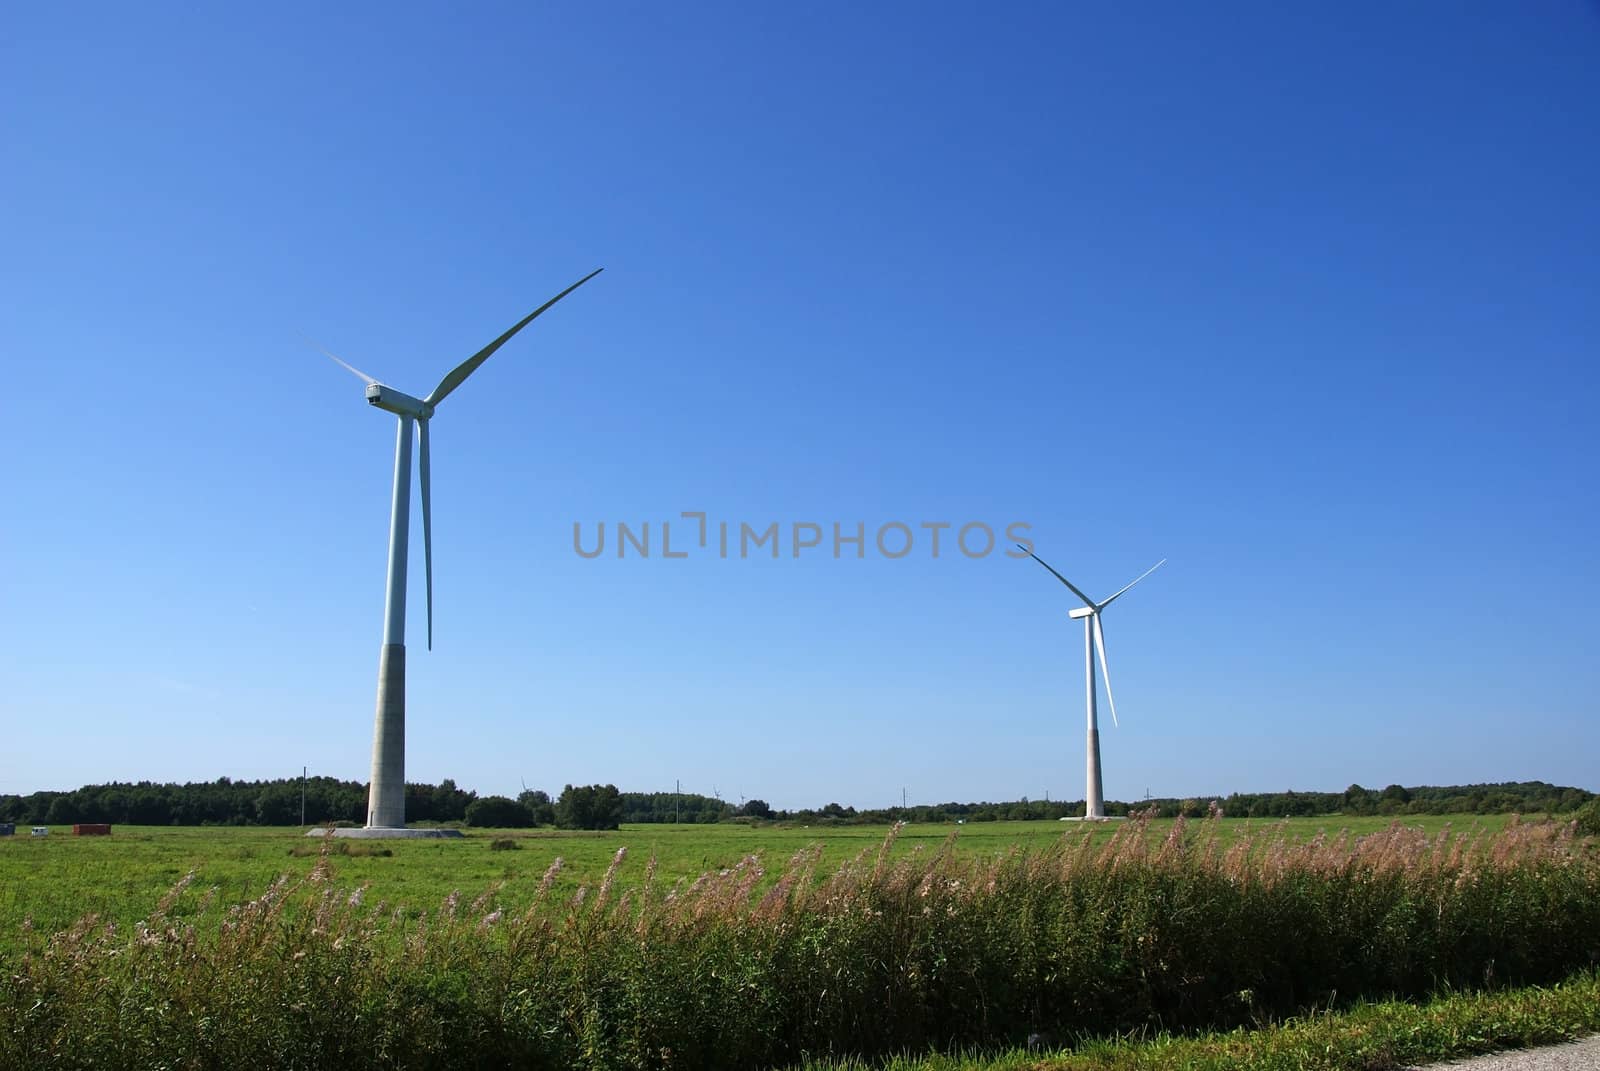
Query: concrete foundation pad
column 1102, row 818
column 390, row 833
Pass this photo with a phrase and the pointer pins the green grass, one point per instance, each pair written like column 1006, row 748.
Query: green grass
column 863, row 948
column 55, row 880
column 1370, row 1037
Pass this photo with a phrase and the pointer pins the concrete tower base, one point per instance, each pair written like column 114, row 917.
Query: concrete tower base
column 386, row 798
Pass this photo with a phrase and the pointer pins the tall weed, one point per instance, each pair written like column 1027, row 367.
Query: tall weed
column 930, row 949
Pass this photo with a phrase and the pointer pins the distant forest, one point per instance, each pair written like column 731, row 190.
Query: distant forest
column 278, row 803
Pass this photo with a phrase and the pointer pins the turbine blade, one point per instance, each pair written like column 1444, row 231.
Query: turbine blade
column 1135, row 580
column 461, row 371
column 427, row 526
column 1086, row 600
column 1105, row 671
column 352, row 369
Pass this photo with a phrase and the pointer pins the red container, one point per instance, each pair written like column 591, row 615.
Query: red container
column 91, row 829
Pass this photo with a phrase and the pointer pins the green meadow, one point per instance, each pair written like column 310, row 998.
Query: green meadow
column 1148, row 944
column 56, row 880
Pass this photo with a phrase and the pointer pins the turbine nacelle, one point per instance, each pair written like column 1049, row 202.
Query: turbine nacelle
column 1081, row 611
column 398, row 402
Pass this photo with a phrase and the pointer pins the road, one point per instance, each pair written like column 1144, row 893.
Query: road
column 1575, row 1056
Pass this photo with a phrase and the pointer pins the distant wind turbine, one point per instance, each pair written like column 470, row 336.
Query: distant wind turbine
column 1093, row 637
column 386, row 799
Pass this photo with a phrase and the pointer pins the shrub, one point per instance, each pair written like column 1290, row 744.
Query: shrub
column 1588, row 818
column 498, row 812
column 503, row 844
column 589, row 807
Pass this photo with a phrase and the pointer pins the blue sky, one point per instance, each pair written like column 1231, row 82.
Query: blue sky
column 1301, row 297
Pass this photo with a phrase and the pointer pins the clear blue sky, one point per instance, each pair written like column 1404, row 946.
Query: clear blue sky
column 1304, row 297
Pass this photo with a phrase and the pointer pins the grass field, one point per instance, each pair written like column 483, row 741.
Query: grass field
column 56, row 880
column 262, row 948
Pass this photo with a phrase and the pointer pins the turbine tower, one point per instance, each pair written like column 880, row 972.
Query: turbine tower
column 1094, row 637
column 386, row 799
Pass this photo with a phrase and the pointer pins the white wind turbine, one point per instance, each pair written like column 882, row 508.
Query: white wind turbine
column 386, row 799
column 1094, row 637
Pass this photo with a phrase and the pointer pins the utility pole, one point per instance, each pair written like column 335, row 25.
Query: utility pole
column 902, row 797
column 677, row 794
column 302, row 797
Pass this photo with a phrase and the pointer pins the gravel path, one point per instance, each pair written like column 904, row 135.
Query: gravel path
column 1574, row 1056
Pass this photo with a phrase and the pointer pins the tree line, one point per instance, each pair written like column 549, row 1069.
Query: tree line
column 311, row 801
column 328, row 800
column 226, row 802
column 1523, row 797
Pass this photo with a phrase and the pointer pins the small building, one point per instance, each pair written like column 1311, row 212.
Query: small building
column 41, row 831
column 7, row 828
column 91, row 829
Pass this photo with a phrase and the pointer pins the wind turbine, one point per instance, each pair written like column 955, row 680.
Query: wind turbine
column 386, row 799
column 1094, row 637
